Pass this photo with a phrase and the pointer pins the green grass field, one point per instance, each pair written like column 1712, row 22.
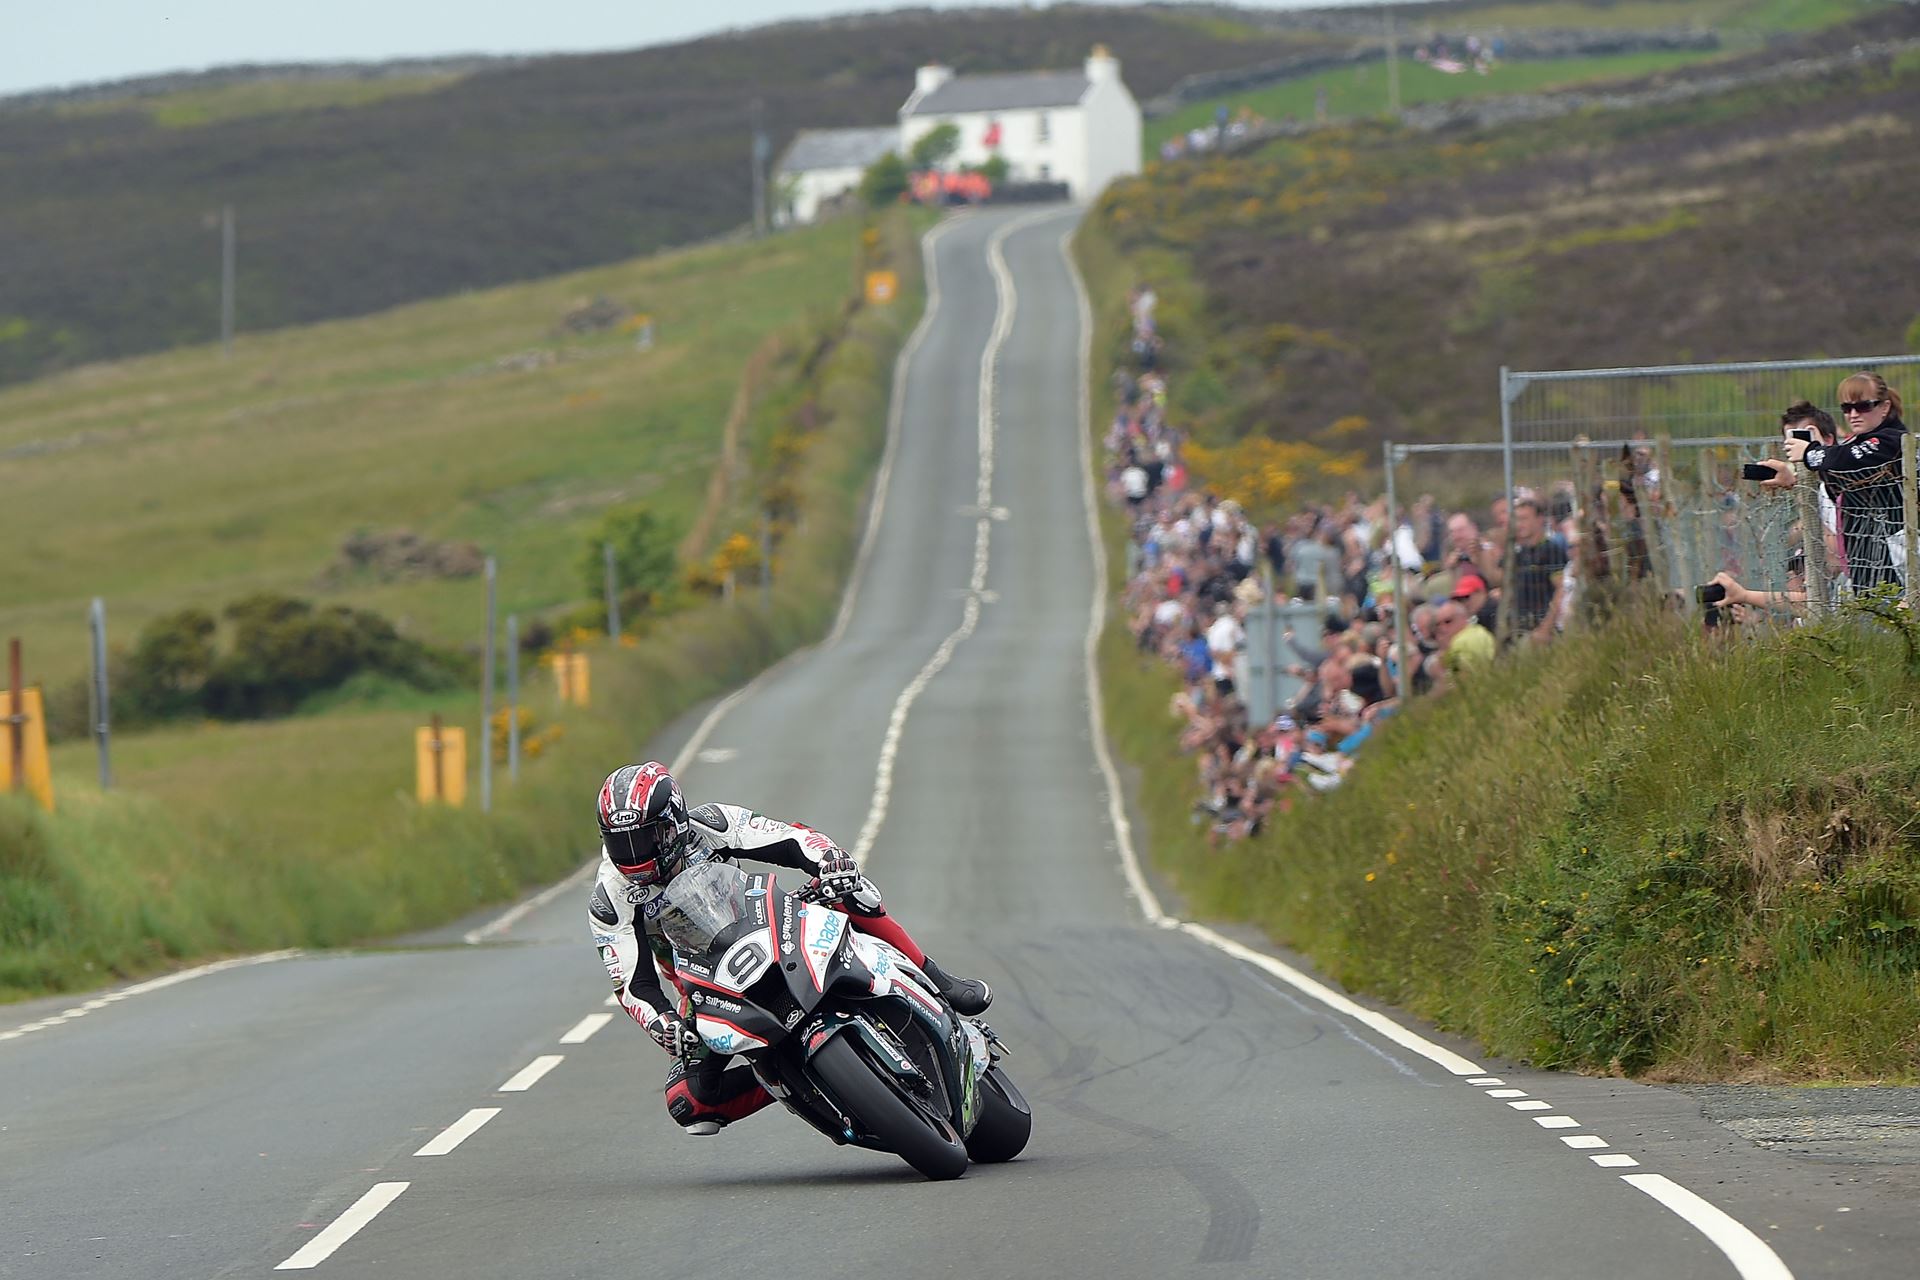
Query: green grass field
column 1362, row 90
column 206, row 845
column 192, row 478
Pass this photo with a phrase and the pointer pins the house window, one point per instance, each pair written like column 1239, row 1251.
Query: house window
column 1045, row 131
column 1046, row 172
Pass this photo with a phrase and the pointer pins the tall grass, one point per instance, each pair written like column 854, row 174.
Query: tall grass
column 303, row 832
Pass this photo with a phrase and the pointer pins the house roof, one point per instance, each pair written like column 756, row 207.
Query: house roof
column 1024, row 89
column 838, row 148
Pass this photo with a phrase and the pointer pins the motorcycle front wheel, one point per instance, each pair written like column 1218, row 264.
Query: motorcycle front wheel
column 879, row 1102
column 1005, row 1123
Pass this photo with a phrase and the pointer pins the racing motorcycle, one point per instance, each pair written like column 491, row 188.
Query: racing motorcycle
column 840, row 1027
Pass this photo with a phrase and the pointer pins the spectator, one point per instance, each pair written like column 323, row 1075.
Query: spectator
column 1470, row 592
column 1225, row 639
column 1539, row 568
column 1862, row 470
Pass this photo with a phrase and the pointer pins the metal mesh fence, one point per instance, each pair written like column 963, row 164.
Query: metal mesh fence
column 1652, row 459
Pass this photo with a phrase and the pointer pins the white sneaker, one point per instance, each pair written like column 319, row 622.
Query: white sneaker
column 704, row 1128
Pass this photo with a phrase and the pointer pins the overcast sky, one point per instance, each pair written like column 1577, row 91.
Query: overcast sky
column 49, row 43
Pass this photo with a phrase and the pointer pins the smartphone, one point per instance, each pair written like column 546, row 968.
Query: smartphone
column 1756, row 471
column 1711, row 593
column 1802, row 434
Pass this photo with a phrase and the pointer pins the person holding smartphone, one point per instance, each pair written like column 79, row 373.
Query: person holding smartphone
column 1862, row 473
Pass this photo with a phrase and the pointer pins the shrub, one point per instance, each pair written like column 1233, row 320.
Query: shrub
column 642, row 557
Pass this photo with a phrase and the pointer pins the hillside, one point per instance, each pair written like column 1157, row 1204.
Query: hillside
column 1389, row 272
column 469, row 419
column 509, row 173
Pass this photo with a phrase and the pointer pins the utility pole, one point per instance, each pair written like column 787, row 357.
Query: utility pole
column 613, row 593
column 102, row 722
column 1393, row 75
column 760, row 149
column 226, row 280
column 486, row 697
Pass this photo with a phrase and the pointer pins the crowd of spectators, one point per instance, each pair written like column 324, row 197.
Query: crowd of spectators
column 1198, row 564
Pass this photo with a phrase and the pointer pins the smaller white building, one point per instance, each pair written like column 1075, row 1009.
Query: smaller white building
column 824, row 164
column 1079, row 127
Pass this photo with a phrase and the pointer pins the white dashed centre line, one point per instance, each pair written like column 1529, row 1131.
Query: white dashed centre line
column 1506, row 1093
column 342, row 1228
column 584, row 1029
column 1585, row 1141
column 1531, row 1104
column 1486, row 1080
column 529, row 1075
column 1614, row 1160
column 1556, row 1122
column 459, row 1131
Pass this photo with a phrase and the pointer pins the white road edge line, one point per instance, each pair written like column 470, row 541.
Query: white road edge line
column 141, row 988
column 583, row 1030
column 691, row 750
column 1116, row 807
column 511, row 916
column 1748, row 1253
column 1007, row 307
column 459, row 1131
column 896, row 413
column 529, row 1075
column 342, row 1228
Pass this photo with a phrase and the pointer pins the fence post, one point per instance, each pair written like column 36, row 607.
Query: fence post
column 1400, row 624
column 1910, row 502
column 1813, row 538
column 1273, row 643
column 16, row 719
column 102, row 721
column 438, row 747
column 486, row 695
column 513, row 698
column 613, row 595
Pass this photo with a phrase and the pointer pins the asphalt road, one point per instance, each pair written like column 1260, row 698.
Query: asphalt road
column 1194, row 1113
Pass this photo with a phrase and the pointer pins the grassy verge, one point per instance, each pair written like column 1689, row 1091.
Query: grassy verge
column 1638, row 852
column 303, row 832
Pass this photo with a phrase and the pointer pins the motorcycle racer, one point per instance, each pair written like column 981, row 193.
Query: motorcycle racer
column 648, row 836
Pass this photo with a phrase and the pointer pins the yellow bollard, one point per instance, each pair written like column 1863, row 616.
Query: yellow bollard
column 440, row 764
column 882, row 286
column 37, row 775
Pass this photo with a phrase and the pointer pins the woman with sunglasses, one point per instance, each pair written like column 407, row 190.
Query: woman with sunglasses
column 1862, row 472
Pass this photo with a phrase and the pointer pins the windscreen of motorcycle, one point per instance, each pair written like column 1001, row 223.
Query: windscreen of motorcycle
column 703, row 902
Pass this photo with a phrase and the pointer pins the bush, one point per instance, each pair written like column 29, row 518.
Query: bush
column 643, row 561
column 884, row 182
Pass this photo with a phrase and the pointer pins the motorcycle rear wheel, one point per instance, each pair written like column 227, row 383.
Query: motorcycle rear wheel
column 868, row 1090
column 1005, row 1121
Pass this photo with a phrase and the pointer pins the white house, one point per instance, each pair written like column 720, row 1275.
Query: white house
column 1077, row 127
column 822, row 164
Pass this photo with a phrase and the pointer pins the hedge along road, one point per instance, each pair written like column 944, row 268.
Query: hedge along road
column 470, row 1110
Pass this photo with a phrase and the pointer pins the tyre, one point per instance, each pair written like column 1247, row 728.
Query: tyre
column 880, row 1103
column 1005, row 1121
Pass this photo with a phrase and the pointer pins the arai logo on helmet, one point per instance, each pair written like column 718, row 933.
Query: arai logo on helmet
column 624, row 818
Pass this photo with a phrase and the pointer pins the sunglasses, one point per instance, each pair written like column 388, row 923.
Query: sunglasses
column 1860, row 406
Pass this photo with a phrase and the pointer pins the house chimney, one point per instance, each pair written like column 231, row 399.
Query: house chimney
column 1102, row 65
column 930, row 77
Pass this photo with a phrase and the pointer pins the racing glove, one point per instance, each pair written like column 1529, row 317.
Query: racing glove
column 673, row 1033
column 839, row 875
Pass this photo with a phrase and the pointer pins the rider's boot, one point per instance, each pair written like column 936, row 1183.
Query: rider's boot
column 704, row 1128
column 968, row 996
